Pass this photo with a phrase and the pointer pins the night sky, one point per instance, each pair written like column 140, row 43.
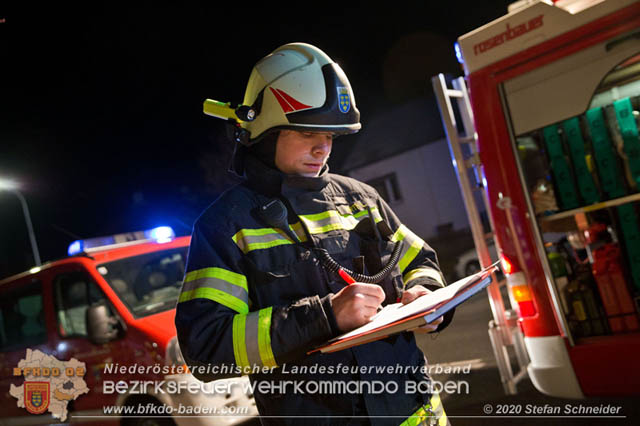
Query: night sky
column 101, row 105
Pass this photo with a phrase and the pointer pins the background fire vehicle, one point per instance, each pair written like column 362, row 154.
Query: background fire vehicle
column 111, row 302
column 547, row 135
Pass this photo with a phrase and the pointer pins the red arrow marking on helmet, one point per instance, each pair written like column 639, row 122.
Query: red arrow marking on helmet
column 283, row 103
column 297, row 106
column 288, row 103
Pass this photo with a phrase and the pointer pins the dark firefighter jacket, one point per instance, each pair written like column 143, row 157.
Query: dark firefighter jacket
column 254, row 297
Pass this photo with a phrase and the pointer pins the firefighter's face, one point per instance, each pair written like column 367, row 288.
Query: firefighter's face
column 303, row 153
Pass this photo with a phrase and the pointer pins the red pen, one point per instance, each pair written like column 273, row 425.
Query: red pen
column 346, row 277
column 349, row 280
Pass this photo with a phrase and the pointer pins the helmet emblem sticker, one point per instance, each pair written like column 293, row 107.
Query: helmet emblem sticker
column 344, row 101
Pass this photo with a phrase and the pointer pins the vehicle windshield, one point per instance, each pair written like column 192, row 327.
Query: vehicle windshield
column 149, row 283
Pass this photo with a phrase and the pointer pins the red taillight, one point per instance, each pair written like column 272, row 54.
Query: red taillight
column 520, row 294
column 527, row 309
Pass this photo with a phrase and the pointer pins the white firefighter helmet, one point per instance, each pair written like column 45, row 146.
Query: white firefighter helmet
column 297, row 87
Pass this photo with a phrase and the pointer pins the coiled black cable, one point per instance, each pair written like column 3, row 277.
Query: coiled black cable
column 333, row 266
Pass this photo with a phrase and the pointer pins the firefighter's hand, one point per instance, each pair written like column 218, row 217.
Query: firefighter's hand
column 355, row 304
column 409, row 296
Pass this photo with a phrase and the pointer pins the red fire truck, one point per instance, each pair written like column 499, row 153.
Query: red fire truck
column 543, row 130
column 111, row 306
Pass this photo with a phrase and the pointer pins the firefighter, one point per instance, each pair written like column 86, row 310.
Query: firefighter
column 261, row 289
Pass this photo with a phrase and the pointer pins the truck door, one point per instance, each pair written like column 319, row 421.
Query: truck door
column 73, row 292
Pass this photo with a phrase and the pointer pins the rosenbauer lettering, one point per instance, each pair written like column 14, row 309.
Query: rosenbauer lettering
column 510, row 34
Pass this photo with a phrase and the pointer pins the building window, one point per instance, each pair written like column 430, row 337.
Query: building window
column 387, row 187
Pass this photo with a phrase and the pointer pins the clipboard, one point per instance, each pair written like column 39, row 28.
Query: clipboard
column 396, row 318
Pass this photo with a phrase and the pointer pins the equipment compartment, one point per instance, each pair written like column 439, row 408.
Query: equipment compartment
column 583, row 179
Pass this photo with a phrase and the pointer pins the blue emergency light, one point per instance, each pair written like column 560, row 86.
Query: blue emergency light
column 75, row 248
column 160, row 234
column 456, row 47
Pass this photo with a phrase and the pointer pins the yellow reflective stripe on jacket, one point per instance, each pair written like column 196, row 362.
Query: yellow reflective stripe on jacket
column 299, row 230
column 220, row 285
column 255, row 239
column 331, row 220
column 252, row 339
column 428, row 411
column 418, row 417
column 438, row 409
column 263, row 238
column 264, row 337
column 423, row 272
column 411, row 247
column 324, row 222
column 239, row 346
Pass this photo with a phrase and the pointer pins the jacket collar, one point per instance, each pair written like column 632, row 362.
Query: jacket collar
column 272, row 182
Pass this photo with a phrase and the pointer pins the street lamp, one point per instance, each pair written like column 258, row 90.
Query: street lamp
column 12, row 186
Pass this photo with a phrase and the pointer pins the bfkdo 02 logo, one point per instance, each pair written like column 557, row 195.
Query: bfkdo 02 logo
column 49, row 384
column 36, row 397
